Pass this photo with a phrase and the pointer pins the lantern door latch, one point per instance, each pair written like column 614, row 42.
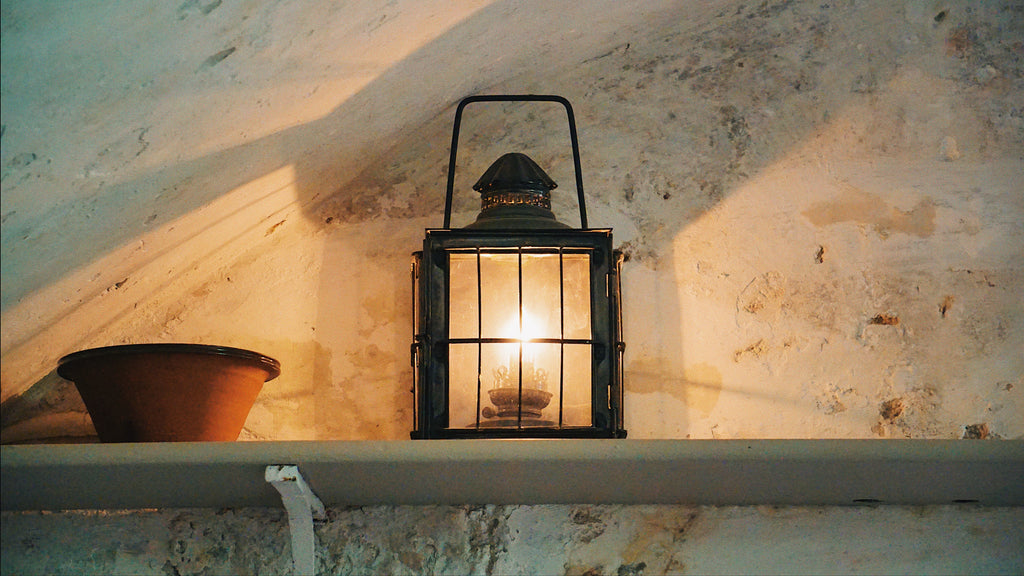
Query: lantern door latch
column 302, row 505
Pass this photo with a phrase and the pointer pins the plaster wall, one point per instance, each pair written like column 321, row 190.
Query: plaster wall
column 820, row 202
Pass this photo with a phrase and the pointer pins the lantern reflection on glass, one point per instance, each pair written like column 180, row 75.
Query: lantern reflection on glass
column 517, row 322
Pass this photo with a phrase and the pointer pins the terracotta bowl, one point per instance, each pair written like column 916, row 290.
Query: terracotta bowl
column 168, row 392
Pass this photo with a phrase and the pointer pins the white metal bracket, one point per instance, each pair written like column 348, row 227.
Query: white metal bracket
column 302, row 506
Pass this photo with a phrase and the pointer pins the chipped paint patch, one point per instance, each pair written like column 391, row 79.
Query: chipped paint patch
column 863, row 208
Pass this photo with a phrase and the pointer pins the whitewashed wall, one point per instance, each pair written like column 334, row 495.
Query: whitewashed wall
column 821, row 202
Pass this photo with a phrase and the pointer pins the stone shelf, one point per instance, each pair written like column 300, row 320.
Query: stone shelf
column 714, row 472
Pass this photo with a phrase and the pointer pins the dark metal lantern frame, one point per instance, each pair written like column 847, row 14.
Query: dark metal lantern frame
column 522, row 238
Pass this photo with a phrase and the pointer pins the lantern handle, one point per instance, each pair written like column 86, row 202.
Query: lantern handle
column 515, row 98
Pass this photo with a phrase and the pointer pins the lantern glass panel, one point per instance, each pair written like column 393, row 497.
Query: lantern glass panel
column 462, row 385
column 499, row 291
column 576, row 294
column 463, row 321
column 576, row 395
column 541, row 316
column 520, row 349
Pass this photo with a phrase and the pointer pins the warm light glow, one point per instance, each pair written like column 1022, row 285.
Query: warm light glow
column 147, row 273
column 364, row 46
column 525, row 332
column 529, row 329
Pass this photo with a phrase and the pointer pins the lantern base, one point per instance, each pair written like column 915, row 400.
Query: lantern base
column 507, row 400
column 515, row 423
column 513, row 432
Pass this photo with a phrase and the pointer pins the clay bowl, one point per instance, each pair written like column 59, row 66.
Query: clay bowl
column 168, row 392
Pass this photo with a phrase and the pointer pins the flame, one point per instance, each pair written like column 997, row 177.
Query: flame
column 531, row 328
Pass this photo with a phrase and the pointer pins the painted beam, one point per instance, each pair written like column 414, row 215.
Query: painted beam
column 712, row 472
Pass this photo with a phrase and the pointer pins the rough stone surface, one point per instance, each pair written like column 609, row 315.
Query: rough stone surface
column 570, row 540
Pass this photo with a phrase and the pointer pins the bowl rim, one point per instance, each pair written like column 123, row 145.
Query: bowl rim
column 66, row 364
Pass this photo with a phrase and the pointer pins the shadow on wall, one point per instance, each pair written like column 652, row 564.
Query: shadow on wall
column 323, row 155
column 676, row 108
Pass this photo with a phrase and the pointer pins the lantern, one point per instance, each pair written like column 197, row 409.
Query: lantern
column 517, row 315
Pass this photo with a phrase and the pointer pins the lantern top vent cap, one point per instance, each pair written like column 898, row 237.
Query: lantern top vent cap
column 515, row 194
column 515, row 171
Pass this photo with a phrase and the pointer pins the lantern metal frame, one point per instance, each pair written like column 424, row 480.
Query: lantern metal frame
column 431, row 298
